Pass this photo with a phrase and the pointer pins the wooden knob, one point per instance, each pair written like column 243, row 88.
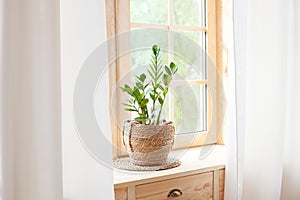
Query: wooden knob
column 174, row 193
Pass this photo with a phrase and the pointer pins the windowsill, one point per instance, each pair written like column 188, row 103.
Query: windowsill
column 194, row 160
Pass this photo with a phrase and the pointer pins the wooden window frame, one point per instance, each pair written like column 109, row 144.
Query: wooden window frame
column 118, row 21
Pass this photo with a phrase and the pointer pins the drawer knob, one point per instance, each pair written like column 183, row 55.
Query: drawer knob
column 174, row 193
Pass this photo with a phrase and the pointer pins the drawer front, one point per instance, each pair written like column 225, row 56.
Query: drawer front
column 121, row 194
column 194, row 187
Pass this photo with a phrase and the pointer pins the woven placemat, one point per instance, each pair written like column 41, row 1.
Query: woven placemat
column 125, row 164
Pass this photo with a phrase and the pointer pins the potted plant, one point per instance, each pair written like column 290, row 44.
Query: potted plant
column 147, row 138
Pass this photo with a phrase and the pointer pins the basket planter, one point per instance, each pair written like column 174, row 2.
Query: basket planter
column 148, row 145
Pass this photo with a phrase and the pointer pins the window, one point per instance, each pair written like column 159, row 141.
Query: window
column 194, row 19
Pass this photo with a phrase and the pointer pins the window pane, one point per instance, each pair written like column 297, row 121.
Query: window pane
column 149, row 11
column 190, row 55
column 188, row 12
column 141, row 51
column 140, row 61
column 190, row 109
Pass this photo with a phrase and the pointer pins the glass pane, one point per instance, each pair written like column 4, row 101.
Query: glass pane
column 190, row 55
column 149, row 11
column 188, row 12
column 141, row 51
column 190, row 109
column 140, row 61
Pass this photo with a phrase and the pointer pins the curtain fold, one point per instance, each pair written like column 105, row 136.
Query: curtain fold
column 291, row 174
column 262, row 147
column 235, row 129
column 30, row 100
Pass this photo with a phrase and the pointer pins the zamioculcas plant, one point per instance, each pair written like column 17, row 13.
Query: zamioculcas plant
column 148, row 95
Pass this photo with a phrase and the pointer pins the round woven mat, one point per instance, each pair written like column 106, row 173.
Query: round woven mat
column 124, row 163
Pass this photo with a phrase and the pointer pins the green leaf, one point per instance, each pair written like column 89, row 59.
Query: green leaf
column 130, row 109
column 175, row 70
column 136, row 93
column 153, row 63
column 137, row 77
column 131, row 100
column 166, row 79
column 168, row 70
column 152, row 96
column 153, row 70
column 161, row 73
column 159, row 63
column 146, row 85
column 143, row 77
column 172, row 66
column 129, row 105
column 127, row 89
column 161, row 87
column 141, row 96
column 160, row 100
column 139, row 85
column 127, row 86
column 157, row 85
column 152, row 76
column 141, row 119
column 155, row 49
column 159, row 68
column 165, row 91
column 144, row 102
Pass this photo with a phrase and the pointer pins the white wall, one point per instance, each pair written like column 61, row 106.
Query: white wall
column 82, row 30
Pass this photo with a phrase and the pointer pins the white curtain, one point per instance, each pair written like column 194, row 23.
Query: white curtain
column 262, row 149
column 234, row 136
column 30, row 162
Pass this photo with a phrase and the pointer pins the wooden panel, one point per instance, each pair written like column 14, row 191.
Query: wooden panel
column 216, row 184
column 199, row 186
column 221, row 196
column 221, row 184
column 111, row 48
column 221, row 59
column 222, row 179
column 131, row 192
column 121, row 194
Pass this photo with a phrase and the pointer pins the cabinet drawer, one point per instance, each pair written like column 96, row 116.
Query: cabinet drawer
column 195, row 187
column 121, row 194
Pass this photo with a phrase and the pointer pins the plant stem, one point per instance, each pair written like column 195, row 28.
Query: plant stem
column 158, row 117
column 154, row 90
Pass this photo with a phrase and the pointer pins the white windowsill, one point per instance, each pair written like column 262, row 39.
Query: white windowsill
column 193, row 160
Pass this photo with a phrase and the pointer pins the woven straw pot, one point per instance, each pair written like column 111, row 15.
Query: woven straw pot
column 148, row 145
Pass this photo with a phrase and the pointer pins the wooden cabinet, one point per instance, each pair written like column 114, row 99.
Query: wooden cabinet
column 197, row 178
column 198, row 186
column 121, row 194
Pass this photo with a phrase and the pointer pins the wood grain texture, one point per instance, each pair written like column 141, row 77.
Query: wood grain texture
column 111, row 48
column 199, row 186
column 121, row 194
column 221, row 58
column 222, row 179
column 216, row 184
column 221, row 184
column 221, row 197
column 131, row 193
